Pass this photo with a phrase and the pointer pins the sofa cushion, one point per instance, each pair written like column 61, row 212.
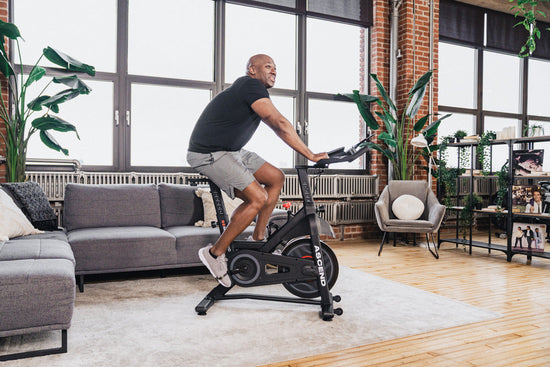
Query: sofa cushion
column 407, row 207
column 36, row 249
column 109, row 249
column 179, row 206
column 210, row 210
column 34, row 203
column 90, row 206
column 189, row 239
column 46, row 235
column 13, row 222
column 26, row 306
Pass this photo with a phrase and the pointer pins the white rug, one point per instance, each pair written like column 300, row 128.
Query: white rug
column 151, row 322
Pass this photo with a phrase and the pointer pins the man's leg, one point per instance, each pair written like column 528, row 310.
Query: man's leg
column 254, row 199
column 273, row 180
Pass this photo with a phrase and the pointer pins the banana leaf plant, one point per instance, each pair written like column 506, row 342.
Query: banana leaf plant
column 394, row 135
column 24, row 109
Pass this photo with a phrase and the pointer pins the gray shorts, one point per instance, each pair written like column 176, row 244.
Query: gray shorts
column 228, row 170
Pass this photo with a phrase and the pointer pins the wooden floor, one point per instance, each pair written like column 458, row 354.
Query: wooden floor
column 520, row 292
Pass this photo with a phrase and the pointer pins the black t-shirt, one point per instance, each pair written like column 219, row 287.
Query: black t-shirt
column 228, row 122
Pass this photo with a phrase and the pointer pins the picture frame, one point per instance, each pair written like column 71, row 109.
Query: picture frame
column 526, row 200
column 528, row 236
column 527, row 162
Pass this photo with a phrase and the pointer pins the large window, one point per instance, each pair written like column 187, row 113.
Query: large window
column 510, row 96
column 158, row 65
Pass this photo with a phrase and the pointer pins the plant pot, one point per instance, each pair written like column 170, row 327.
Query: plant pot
column 536, row 131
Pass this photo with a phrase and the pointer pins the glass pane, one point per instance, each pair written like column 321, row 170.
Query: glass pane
column 173, row 39
column 448, row 127
column 69, row 29
column 334, row 124
column 268, row 145
column 335, row 63
column 501, row 82
column 498, row 125
column 276, row 39
column 92, row 114
column 457, row 76
column 537, row 128
column 539, row 88
column 162, row 121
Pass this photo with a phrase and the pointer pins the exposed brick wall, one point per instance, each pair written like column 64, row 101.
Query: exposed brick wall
column 4, row 91
column 413, row 42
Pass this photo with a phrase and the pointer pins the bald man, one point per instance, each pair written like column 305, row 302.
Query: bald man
column 215, row 150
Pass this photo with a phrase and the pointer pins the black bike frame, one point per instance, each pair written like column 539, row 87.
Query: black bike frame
column 304, row 223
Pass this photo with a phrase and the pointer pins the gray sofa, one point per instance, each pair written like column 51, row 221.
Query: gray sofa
column 119, row 228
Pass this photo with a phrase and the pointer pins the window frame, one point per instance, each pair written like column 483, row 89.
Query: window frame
column 122, row 84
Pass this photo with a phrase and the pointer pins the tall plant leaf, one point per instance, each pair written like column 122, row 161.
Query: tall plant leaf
column 388, row 139
column 53, row 123
column 5, row 65
column 61, row 97
column 36, row 74
column 432, row 128
column 67, row 62
column 9, row 30
column 417, row 93
column 420, row 123
column 364, row 110
column 73, row 82
column 36, row 104
column 383, row 92
column 51, row 143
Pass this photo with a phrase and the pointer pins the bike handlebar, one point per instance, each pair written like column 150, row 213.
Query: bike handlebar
column 341, row 155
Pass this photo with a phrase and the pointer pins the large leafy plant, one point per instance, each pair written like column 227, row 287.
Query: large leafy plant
column 16, row 120
column 395, row 134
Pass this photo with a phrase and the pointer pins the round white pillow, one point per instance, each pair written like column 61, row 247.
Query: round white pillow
column 407, row 207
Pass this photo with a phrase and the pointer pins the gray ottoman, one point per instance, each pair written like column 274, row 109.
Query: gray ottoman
column 37, row 289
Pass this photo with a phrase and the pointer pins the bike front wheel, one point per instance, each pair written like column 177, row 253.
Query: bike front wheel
column 302, row 249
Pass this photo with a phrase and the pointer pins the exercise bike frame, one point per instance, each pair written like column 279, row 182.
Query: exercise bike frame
column 302, row 224
column 305, row 223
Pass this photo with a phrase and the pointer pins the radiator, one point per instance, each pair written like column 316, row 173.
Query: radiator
column 347, row 199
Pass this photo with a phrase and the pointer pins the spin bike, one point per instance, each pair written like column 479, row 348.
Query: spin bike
column 293, row 254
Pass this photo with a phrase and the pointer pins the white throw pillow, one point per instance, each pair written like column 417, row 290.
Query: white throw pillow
column 13, row 223
column 208, row 206
column 407, row 207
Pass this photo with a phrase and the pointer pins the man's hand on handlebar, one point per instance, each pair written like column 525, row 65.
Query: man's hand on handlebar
column 318, row 156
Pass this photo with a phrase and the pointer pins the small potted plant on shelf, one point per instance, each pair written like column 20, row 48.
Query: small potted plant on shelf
column 460, row 134
column 477, row 201
column 534, row 130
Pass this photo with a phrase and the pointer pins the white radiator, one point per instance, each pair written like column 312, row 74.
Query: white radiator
column 347, row 199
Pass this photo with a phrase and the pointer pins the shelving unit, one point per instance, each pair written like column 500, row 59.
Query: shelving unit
column 509, row 215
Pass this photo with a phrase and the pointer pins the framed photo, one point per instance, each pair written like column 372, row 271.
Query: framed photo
column 527, row 162
column 527, row 199
column 528, row 236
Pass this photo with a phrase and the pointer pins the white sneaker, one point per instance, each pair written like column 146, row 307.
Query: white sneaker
column 216, row 266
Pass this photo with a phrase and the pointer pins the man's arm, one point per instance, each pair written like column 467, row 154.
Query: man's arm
column 283, row 128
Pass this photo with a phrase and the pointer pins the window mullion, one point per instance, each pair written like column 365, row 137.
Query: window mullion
column 121, row 132
column 301, row 100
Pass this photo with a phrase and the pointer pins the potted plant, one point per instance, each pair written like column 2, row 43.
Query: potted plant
column 17, row 134
column 477, row 201
column 533, row 130
column 459, row 135
column 482, row 149
column 396, row 134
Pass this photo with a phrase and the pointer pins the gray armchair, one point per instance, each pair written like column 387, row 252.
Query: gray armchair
column 428, row 222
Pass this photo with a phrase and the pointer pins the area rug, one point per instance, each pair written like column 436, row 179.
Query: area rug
column 151, row 322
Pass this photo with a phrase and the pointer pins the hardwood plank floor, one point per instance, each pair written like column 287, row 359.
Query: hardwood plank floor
column 520, row 292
